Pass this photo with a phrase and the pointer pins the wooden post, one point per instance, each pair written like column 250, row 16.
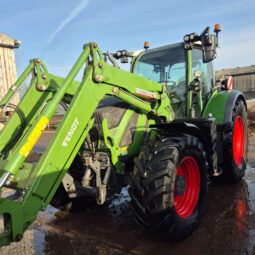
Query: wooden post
column 8, row 74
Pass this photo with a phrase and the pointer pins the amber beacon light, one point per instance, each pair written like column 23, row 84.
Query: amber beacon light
column 146, row 45
column 217, row 28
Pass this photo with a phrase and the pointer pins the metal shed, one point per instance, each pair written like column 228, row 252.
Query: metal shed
column 8, row 74
column 243, row 79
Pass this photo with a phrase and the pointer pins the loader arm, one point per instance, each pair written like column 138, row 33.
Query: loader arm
column 39, row 182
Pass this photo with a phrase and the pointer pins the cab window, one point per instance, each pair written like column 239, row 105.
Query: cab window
column 166, row 65
column 207, row 78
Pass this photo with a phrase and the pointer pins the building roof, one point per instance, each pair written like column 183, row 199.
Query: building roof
column 236, row 71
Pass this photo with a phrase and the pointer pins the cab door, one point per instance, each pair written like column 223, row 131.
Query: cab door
column 207, row 81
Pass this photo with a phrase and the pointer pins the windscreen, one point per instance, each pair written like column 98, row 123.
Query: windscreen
column 166, row 65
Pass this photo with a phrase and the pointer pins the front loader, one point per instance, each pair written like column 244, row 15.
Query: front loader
column 164, row 129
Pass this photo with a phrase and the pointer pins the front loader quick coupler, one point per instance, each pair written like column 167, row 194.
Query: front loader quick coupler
column 12, row 214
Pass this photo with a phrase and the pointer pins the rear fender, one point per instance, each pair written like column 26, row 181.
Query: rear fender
column 221, row 105
column 230, row 104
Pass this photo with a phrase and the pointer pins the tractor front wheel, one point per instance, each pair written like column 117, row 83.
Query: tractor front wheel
column 169, row 186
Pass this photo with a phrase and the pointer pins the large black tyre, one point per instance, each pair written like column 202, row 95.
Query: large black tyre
column 235, row 144
column 169, row 186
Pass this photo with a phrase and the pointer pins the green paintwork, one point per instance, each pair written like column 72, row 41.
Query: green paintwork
column 114, row 147
column 20, row 179
column 141, row 127
column 216, row 106
column 189, row 80
column 11, row 210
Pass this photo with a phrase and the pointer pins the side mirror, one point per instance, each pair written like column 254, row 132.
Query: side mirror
column 209, row 42
column 209, row 47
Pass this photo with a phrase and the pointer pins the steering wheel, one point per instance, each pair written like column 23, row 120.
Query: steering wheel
column 171, row 91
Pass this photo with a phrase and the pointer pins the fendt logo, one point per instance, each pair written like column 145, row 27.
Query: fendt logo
column 70, row 133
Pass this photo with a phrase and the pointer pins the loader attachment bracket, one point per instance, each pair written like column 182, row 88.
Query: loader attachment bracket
column 43, row 80
column 13, row 215
column 98, row 62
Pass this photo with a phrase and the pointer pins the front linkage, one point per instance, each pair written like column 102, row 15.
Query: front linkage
column 37, row 184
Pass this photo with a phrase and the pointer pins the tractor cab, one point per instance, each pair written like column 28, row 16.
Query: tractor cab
column 186, row 69
column 169, row 65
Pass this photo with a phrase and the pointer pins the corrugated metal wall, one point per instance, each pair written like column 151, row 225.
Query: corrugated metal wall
column 8, row 74
column 246, row 84
column 243, row 79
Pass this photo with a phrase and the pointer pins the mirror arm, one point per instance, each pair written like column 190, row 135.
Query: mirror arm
column 205, row 31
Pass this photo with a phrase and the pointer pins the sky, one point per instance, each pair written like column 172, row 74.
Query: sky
column 55, row 31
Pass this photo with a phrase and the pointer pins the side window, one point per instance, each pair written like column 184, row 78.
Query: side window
column 147, row 71
column 175, row 74
column 166, row 65
column 207, row 78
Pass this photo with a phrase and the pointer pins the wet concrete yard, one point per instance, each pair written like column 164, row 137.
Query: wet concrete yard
column 227, row 228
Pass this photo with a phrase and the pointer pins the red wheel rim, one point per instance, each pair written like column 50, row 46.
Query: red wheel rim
column 238, row 140
column 185, row 204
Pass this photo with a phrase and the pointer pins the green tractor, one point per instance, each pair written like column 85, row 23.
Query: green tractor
column 164, row 130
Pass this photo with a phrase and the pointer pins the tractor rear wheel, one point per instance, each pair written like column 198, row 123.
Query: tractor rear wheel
column 169, row 186
column 235, row 144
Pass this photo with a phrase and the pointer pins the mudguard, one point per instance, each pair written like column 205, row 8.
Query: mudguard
column 203, row 129
column 221, row 105
column 233, row 96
